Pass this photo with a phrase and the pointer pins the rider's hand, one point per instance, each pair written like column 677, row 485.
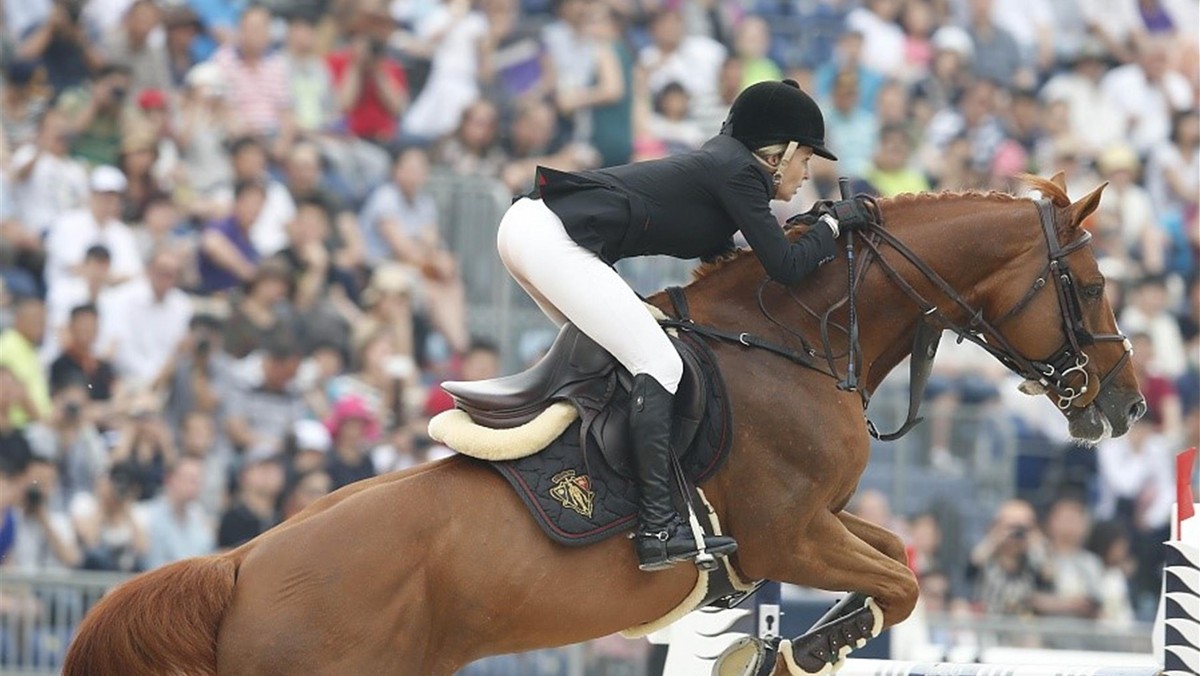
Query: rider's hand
column 811, row 216
column 851, row 214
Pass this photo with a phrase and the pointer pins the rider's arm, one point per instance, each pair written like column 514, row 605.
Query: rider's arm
column 744, row 196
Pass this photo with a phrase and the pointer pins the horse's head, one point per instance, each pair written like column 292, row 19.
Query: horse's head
column 1060, row 320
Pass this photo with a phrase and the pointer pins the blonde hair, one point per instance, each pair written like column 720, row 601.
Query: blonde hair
column 766, row 152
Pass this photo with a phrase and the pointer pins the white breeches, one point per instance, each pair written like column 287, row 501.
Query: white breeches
column 570, row 283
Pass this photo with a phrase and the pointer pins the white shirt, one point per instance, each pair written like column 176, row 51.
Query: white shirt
column 1128, row 472
column 1148, row 106
column 1096, row 122
column 71, row 236
column 1022, row 19
column 269, row 232
column 142, row 331
column 695, row 65
column 1170, row 356
column 54, row 186
column 883, row 41
column 172, row 539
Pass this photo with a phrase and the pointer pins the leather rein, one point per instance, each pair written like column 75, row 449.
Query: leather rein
column 1057, row 374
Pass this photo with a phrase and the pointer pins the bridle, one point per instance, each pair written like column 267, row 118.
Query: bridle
column 1053, row 374
column 1056, row 374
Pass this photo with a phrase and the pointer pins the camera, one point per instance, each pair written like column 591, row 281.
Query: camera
column 203, row 346
column 74, row 9
column 1019, row 532
column 376, row 48
column 71, row 410
column 33, row 498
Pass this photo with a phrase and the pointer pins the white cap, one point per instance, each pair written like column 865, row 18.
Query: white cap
column 311, row 436
column 954, row 39
column 106, row 178
column 206, row 76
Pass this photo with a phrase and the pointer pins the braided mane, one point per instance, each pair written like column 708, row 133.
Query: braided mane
column 1049, row 189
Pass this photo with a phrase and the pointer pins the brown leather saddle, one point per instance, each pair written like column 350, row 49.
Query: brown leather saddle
column 576, row 369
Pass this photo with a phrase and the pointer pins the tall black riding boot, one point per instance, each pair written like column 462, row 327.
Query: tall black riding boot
column 662, row 538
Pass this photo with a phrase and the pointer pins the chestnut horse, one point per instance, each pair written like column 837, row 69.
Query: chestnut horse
column 423, row 571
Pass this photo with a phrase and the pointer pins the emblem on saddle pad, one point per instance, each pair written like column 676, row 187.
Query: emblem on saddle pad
column 574, row 492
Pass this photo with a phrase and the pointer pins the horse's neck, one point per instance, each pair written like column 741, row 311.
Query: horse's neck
column 964, row 240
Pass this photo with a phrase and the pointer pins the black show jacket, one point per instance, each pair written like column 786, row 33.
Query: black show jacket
column 686, row 206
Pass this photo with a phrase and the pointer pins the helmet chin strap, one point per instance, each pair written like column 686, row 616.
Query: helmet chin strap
column 784, row 160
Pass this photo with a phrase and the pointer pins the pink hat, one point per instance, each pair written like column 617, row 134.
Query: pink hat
column 352, row 408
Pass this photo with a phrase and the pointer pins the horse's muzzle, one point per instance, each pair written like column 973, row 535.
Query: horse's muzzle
column 1120, row 410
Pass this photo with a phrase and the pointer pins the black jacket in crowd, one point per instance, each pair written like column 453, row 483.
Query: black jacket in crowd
column 686, row 206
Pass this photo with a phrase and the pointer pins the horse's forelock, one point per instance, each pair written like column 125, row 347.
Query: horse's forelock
column 1056, row 194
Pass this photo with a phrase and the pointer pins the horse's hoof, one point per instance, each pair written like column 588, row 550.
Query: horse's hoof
column 823, row 650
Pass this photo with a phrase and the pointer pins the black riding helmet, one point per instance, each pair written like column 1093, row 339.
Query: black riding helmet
column 777, row 112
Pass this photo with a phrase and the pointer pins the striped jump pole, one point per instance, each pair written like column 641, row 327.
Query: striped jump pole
column 891, row 668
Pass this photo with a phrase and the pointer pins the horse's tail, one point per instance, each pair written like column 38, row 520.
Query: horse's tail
column 162, row 622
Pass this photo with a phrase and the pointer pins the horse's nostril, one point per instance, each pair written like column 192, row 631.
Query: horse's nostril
column 1137, row 410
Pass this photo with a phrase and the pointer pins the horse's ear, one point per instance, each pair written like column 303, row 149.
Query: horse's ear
column 1060, row 179
column 1084, row 207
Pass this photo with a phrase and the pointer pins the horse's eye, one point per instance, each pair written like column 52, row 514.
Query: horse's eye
column 1093, row 291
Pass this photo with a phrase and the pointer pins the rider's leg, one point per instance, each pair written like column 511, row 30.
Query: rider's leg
column 593, row 296
column 509, row 228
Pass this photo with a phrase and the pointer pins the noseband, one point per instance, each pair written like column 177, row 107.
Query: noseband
column 1054, row 374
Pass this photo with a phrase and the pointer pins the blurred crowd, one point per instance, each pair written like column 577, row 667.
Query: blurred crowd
column 226, row 289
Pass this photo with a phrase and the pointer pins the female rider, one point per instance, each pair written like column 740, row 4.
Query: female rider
column 560, row 241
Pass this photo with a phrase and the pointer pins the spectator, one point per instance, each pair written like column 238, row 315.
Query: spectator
column 139, row 154
column 671, row 123
column 1125, row 222
column 177, row 525
column 258, row 81
column 1007, row 564
column 307, row 488
column 227, row 254
column 321, row 290
column 60, row 39
column 852, row 132
column 1095, row 118
column 43, row 538
column 890, row 173
column 1173, row 181
column 752, row 42
column 24, row 101
column 145, row 444
column 601, row 108
column 481, row 362
column 312, row 91
column 353, row 427
column 512, row 66
column 1110, row 542
column 883, row 40
column 1136, row 488
column 46, row 184
column 918, row 23
column 1149, row 313
column 97, row 115
column 260, row 482
column 111, row 538
column 183, row 30
column 72, row 292
column 199, row 439
column 251, row 163
column 372, row 89
column 199, row 373
column 133, row 43
column 974, row 120
column 1148, row 93
column 263, row 312
column 691, row 60
column 29, row 391
column 311, row 448
column 389, row 309
column 847, row 58
column 953, row 52
column 997, row 55
column 71, row 235
column 400, row 221
column 1074, row 574
column 206, row 125
column 72, row 439
column 454, row 35
column 474, row 148
column 377, row 381
column 79, row 364
column 143, row 321
column 262, row 409
column 532, row 142
column 306, row 183
column 15, row 450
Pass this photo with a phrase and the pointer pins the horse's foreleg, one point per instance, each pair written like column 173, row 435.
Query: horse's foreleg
column 844, row 553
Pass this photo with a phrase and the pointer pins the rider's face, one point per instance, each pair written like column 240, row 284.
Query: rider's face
column 794, row 174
